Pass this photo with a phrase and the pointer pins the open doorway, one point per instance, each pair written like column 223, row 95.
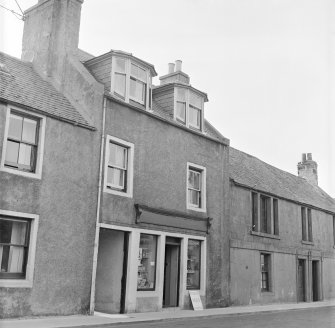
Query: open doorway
column 315, row 281
column 301, row 280
column 171, row 272
column 110, row 285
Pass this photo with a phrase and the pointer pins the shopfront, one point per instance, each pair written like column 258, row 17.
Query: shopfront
column 141, row 269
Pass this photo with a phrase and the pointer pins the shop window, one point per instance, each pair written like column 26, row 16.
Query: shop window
column 265, row 272
column 146, row 276
column 306, row 224
column 193, row 264
column 265, row 214
column 334, row 229
column 23, row 143
column 196, row 187
column 119, row 167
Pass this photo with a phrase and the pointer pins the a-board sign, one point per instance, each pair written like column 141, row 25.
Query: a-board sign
column 196, row 300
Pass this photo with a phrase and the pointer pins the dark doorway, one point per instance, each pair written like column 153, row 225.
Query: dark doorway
column 110, row 286
column 124, row 273
column 315, row 281
column 171, row 272
column 301, row 281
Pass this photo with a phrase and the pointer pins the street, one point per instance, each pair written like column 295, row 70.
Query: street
column 307, row 318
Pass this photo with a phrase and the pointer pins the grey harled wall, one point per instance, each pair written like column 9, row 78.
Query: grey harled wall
column 65, row 200
column 161, row 155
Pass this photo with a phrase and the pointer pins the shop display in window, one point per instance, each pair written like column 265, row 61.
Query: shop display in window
column 146, row 272
column 193, row 264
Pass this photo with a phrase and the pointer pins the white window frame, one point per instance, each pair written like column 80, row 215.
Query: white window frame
column 187, row 110
column 148, row 82
column 28, row 281
column 40, row 147
column 202, row 169
column 130, row 164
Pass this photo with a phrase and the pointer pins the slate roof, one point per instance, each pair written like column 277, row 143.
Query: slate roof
column 20, row 84
column 254, row 173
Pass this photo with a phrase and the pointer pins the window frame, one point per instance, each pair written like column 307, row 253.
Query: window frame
column 202, row 171
column 27, row 281
column 269, row 261
column 128, row 192
column 200, row 263
column 40, row 136
column 188, row 105
column 272, row 217
column 147, row 103
column 306, row 225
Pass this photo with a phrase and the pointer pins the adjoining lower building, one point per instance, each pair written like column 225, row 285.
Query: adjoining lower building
column 282, row 233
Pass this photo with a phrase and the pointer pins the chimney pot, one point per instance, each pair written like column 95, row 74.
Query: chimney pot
column 303, row 157
column 178, row 65
column 309, row 156
column 171, row 68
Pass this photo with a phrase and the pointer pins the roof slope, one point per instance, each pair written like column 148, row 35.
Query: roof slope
column 23, row 86
column 254, row 173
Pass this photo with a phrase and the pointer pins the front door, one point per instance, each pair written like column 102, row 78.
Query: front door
column 171, row 272
column 301, row 281
column 315, row 281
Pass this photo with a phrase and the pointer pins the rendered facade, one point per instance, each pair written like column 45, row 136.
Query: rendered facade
column 118, row 196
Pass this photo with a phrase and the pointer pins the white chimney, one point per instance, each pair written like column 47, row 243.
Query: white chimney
column 171, row 68
column 178, row 65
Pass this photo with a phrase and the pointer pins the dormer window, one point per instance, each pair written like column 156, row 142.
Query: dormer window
column 188, row 108
column 131, row 81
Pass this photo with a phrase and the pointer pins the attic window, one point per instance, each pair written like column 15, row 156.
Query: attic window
column 131, row 81
column 189, row 108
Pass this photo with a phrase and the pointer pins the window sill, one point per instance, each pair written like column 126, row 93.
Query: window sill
column 16, row 283
column 196, row 209
column 21, row 173
column 305, row 242
column 119, row 193
column 265, row 235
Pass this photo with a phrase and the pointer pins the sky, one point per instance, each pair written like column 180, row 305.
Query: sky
column 266, row 65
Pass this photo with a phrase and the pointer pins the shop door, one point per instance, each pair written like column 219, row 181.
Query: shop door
column 301, row 281
column 315, row 281
column 171, row 273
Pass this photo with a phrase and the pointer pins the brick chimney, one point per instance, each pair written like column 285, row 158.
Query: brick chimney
column 51, row 33
column 308, row 169
column 175, row 76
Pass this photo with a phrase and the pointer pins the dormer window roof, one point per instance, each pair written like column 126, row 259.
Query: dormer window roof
column 177, row 97
column 130, row 77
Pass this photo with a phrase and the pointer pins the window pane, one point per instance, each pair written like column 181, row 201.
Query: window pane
column 195, row 100
column 120, row 65
column 194, row 179
column 138, row 72
column 116, row 177
column 181, row 94
column 193, row 264
column 181, row 111
column 25, row 155
column 194, row 197
column 137, row 90
column 12, row 259
column 147, row 262
column 12, row 152
column 15, row 127
column 120, row 84
column 117, row 155
column 194, row 117
column 29, row 131
column 13, row 231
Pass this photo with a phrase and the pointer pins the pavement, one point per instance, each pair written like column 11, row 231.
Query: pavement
column 170, row 314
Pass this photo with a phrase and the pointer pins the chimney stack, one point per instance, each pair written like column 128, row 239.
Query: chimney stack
column 51, row 34
column 171, row 68
column 308, row 169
